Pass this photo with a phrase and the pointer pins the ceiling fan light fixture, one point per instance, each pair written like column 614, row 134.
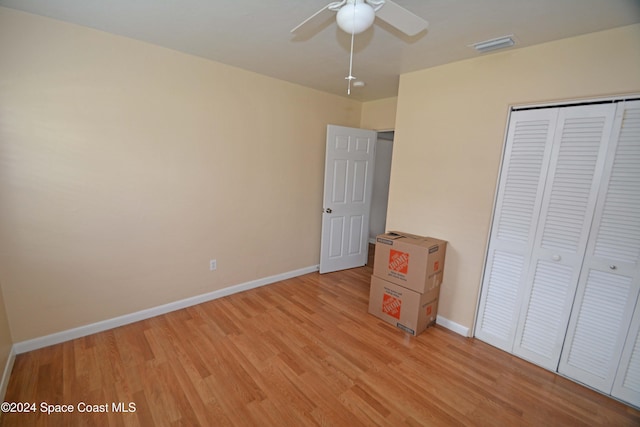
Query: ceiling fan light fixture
column 493, row 44
column 356, row 17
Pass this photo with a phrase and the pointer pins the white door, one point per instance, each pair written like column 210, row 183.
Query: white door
column 610, row 280
column 348, row 178
column 575, row 170
column 627, row 382
column 576, row 243
column 626, row 385
column 522, row 180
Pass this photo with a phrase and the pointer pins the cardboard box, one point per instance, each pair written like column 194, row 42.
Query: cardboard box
column 408, row 310
column 415, row 262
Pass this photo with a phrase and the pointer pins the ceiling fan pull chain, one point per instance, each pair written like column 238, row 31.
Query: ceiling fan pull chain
column 351, row 77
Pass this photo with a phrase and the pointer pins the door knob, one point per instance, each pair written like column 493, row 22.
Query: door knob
column 613, row 267
column 328, row 210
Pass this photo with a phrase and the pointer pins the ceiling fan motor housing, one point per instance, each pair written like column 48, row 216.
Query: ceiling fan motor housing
column 355, row 17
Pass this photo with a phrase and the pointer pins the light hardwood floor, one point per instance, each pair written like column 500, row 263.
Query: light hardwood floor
column 299, row 352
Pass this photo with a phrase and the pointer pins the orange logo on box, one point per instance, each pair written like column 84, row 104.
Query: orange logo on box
column 436, row 265
column 398, row 261
column 391, row 306
column 429, row 310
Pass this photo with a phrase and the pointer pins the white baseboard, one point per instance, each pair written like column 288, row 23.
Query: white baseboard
column 452, row 326
column 70, row 334
column 8, row 367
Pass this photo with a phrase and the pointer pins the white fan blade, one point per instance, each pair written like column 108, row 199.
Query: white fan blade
column 402, row 19
column 316, row 16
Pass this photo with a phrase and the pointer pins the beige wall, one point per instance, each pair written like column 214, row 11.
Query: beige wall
column 379, row 115
column 450, row 131
column 5, row 336
column 125, row 167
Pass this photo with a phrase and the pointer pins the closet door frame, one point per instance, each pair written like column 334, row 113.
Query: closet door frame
column 631, row 341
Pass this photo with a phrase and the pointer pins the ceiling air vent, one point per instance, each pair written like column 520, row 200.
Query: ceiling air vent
column 494, row 44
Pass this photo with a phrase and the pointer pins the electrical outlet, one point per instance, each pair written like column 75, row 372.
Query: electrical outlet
column 213, row 264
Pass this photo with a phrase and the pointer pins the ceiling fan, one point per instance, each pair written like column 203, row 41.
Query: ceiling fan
column 356, row 16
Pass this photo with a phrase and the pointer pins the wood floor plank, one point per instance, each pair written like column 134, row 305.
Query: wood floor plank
column 301, row 352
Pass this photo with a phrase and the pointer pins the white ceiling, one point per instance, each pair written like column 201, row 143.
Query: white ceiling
column 254, row 34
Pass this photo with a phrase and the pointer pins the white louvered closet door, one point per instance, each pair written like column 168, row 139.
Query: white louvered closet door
column 519, row 197
column 626, row 385
column 570, row 194
column 610, row 280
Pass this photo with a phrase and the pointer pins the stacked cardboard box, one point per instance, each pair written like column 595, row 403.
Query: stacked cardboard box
column 405, row 286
